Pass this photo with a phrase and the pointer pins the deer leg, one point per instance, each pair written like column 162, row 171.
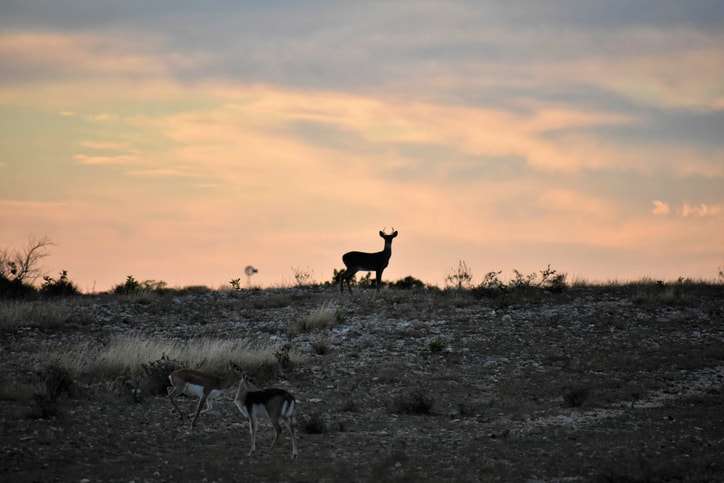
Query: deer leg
column 172, row 391
column 378, row 280
column 289, row 423
column 209, row 405
column 348, row 275
column 252, row 432
column 277, row 431
column 198, row 409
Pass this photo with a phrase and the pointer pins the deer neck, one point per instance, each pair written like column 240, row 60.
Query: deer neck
column 388, row 246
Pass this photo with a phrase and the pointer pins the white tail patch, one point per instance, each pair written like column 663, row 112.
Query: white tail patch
column 288, row 408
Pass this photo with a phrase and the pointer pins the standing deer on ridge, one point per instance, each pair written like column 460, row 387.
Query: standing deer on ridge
column 367, row 262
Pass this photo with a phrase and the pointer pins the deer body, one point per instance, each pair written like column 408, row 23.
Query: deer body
column 276, row 404
column 195, row 383
column 367, row 262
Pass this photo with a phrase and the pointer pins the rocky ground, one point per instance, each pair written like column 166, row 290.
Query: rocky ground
column 592, row 384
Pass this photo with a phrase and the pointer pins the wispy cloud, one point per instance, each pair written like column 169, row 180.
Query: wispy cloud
column 105, row 145
column 700, row 210
column 504, row 133
column 111, row 160
column 661, row 208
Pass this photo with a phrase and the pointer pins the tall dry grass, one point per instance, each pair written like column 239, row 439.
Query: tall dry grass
column 326, row 316
column 128, row 354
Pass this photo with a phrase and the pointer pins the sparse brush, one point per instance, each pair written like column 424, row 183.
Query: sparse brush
column 415, row 402
column 325, row 316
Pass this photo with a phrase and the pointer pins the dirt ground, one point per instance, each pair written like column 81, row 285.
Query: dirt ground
column 593, row 384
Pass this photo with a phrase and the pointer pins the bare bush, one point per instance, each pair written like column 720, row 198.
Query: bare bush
column 460, row 277
column 302, row 276
column 24, row 265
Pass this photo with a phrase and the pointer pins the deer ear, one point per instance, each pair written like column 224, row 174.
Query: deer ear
column 382, row 233
column 394, row 234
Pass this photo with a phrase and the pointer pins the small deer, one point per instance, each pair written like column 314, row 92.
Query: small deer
column 277, row 404
column 205, row 386
column 367, row 262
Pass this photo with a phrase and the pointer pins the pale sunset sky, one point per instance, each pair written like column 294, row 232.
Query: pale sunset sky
column 183, row 140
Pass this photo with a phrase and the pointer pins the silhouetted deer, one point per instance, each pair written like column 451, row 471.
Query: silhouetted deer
column 367, row 262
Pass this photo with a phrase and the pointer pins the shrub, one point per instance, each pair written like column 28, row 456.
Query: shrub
column 60, row 287
column 235, row 283
column 491, row 286
column 408, row 283
column 552, row 281
column 12, row 288
column 436, row 345
column 282, row 356
column 315, row 424
column 133, row 286
column 302, row 276
column 321, row 346
column 415, row 402
column 460, row 277
column 522, row 281
column 23, row 265
column 575, row 397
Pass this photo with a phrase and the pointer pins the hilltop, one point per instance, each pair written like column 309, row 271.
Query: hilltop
column 603, row 383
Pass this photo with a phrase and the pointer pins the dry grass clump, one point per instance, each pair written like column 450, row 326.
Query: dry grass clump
column 325, row 316
column 128, row 356
column 34, row 314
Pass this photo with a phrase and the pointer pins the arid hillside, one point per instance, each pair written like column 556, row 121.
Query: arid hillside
column 589, row 383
